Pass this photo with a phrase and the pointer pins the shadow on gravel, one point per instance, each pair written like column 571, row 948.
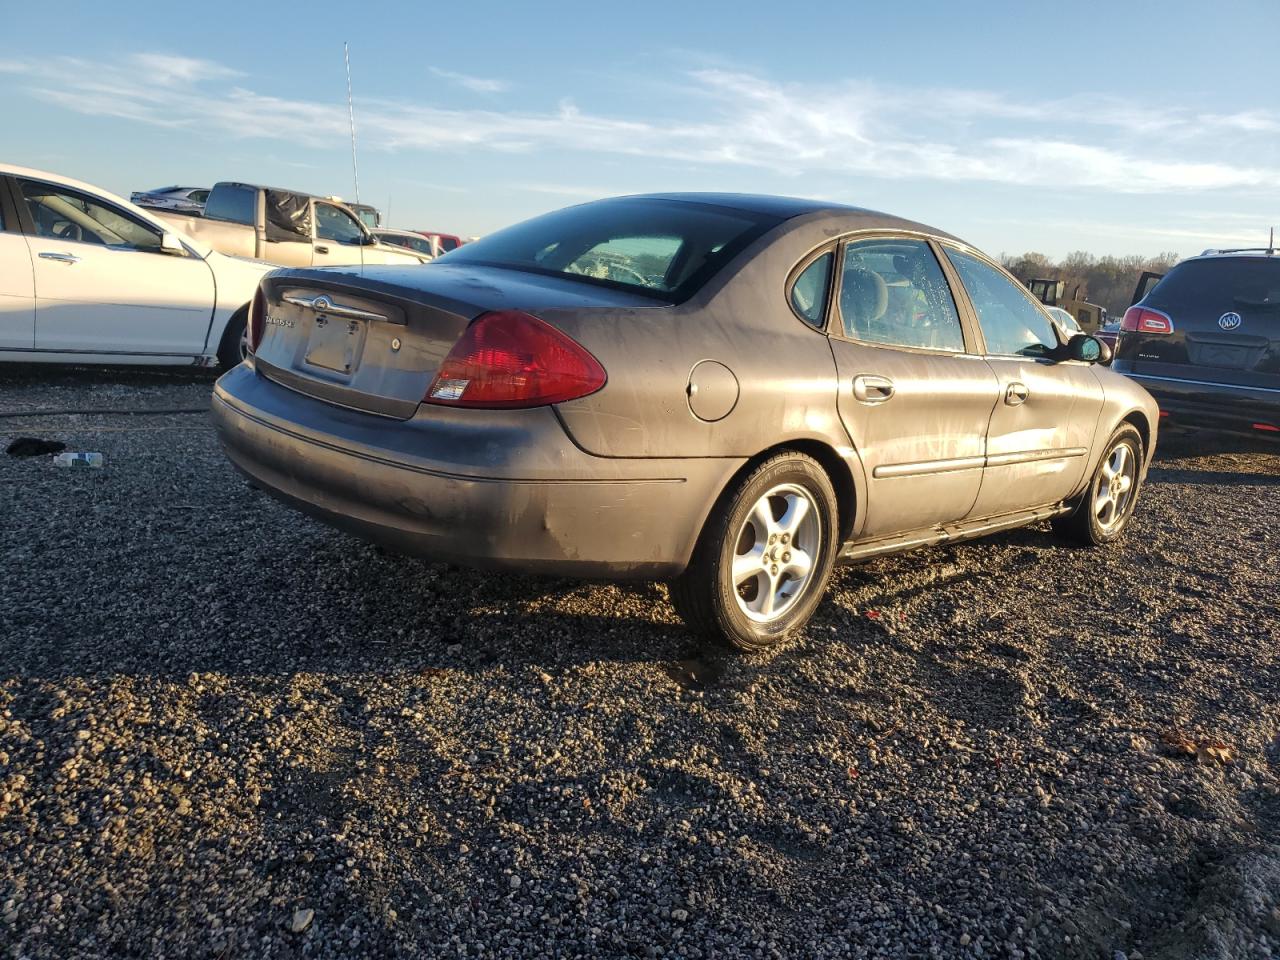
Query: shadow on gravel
column 1214, row 478
column 37, row 374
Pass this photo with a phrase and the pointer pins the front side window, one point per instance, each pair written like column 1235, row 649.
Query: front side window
column 63, row 214
column 665, row 248
column 809, row 292
column 894, row 292
column 448, row 243
column 333, row 223
column 1011, row 323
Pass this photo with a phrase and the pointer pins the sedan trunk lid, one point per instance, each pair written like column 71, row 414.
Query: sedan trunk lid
column 373, row 339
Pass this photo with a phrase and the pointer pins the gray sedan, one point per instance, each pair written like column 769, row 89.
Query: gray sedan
column 731, row 393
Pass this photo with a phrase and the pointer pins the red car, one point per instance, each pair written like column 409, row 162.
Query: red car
column 443, row 242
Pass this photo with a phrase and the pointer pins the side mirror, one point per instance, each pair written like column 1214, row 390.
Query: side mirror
column 170, row 244
column 1088, row 349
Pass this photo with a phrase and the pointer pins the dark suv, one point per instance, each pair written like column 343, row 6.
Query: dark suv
column 1205, row 341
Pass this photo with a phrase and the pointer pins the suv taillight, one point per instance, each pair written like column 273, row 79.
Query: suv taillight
column 257, row 314
column 1146, row 320
column 512, row 359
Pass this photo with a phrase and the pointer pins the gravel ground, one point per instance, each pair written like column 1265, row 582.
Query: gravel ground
column 227, row 731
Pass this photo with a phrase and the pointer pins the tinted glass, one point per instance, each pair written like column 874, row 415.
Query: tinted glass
column 666, row 248
column 63, row 214
column 235, row 204
column 1220, row 283
column 333, row 223
column 448, row 243
column 198, row 196
column 893, row 292
column 1011, row 323
column 421, row 244
column 809, row 292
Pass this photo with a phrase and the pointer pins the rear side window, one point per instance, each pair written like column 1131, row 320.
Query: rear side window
column 1220, row 284
column 809, row 292
column 893, row 292
column 1011, row 324
column 235, row 204
column 665, row 248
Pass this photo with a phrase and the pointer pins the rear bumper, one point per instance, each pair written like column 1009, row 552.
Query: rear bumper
column 1217, row 406
column 488, row 488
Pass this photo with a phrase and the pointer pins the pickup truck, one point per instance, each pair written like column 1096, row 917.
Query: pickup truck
column 286, row 227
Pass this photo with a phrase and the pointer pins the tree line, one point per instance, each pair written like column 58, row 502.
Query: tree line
column 1106, row 281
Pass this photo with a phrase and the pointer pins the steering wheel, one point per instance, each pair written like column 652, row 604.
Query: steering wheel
column 636, row 277
column 66, row 230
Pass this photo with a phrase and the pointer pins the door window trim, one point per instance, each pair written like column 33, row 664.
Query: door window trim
column 972, row 343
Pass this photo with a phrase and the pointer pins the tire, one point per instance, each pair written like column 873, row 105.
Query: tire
column 231, row 349
column 1103, row 513
column 760, row 611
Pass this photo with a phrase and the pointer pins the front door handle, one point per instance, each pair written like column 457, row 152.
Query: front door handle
column 60, row 257
column 322, row 249
column 868, row 388
column 1016, row 393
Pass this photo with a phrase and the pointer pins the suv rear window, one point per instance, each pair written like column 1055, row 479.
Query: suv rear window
column 666, row 248
column 1215, row 283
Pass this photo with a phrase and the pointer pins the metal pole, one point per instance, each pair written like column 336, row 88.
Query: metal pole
column 351, row 116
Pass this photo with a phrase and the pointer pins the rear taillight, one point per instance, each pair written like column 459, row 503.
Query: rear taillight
column 257, row 314
column 511, row 359
column 1146, row 320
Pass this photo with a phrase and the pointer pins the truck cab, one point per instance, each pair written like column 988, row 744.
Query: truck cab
column 287, row 227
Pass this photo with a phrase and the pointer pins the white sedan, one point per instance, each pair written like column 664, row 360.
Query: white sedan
column 86, row 277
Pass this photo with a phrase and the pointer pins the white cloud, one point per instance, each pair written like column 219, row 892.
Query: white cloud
column 468, row 82
column 854, row 128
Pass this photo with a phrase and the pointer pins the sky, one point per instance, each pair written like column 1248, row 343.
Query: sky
column 1112, row 127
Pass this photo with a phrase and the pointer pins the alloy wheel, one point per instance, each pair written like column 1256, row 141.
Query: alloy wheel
column 1115, row 487
column 775, row 552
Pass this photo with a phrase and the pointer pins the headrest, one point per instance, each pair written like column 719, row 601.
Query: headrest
column 864, row 297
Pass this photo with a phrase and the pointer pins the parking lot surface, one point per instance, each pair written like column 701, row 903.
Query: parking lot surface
column 229, row 731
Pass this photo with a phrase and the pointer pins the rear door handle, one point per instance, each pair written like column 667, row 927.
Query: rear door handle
column 322, row 249
column 1016, row 393
column 60, row 257
column 868, row 388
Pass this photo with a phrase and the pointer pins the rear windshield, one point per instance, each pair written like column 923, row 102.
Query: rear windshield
column 1219, row 283
column 666, row 248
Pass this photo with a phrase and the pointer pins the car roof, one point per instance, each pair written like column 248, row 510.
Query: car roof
column 403, row 233
column 788, row 208
column 1244, row 253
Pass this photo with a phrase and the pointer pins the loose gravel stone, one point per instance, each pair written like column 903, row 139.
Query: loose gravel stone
column 218, row 717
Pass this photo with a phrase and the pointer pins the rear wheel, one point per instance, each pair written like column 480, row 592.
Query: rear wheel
column 1107, row 505
column 235, row 341
column 765, row 556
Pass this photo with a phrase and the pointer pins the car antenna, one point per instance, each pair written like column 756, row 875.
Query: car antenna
column 351, row 117
column 1271, row 244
